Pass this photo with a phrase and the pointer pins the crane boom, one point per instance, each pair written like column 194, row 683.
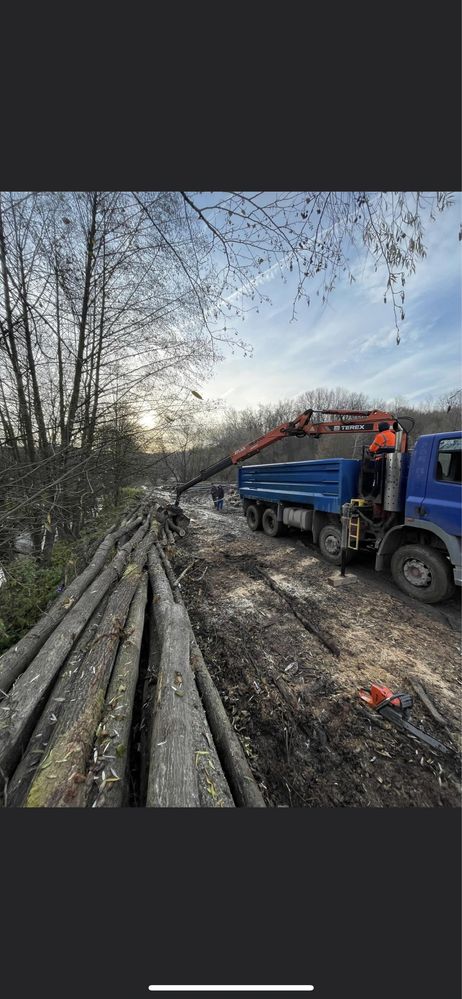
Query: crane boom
column 353, row 421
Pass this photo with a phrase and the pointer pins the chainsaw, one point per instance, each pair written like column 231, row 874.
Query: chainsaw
column 397, row 708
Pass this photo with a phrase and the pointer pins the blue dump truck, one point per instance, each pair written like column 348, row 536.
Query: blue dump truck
column 417, row 532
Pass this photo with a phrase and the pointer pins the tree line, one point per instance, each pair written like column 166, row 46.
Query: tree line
column 200, row 440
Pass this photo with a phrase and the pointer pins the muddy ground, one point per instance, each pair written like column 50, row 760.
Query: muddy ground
column 292, row 700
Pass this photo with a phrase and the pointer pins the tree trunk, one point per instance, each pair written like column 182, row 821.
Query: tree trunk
column 61, row 777
column 227, row 756
column 15, row 660
column 113, row 740
column 172, row 781
column 89, row 265
column 245, row 789
column 25, row 700
column 60, row 694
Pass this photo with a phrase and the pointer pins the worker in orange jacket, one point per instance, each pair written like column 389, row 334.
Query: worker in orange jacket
column 384, row 442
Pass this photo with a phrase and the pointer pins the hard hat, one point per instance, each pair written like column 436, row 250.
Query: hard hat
column 383, row 425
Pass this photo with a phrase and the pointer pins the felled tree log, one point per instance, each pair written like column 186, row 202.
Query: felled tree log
column 15, row 660
column 113, row 739
column 172, row 521
column 60, row 694
column 61, row 777
column 168, row 572
column 162, row 596
column 25, row 700
column 214, row 789
column 236, row 769
column 245, row 789
column 172, row 781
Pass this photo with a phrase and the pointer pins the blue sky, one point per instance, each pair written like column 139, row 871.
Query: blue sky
column 351, row 341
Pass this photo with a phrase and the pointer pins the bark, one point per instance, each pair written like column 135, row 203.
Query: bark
column 89, row 265
column 285, row 690
column 162, row 594
column 328, row 642
column 426, row 699
column 60, row 694
column 61, row 777
column 244, row 787
column 214, row 789
column 38, row 409
column 233, row 762
column 113, row 742
column 15, row 660
column 25, row 700
column 173, row 781
column 10, row 342
column 168, row 572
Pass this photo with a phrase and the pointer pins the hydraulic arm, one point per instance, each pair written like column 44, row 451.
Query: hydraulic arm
column 347, row 421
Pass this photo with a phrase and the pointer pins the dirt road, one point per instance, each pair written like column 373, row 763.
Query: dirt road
column 292, row 699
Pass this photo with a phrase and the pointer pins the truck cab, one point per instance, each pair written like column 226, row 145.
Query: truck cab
column 425, row 551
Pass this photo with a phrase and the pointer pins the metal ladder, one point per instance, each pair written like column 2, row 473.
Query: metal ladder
column 353, row 532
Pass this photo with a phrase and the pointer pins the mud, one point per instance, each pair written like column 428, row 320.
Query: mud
column 294, row 704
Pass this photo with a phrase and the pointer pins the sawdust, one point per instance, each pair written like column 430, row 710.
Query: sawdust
column 321, row 748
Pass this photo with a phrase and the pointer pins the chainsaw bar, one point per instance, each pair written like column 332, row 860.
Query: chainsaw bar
column 397, row 719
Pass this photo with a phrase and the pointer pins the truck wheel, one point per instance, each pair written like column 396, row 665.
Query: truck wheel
column 270, row 524
column 423, row 573
column 254, row 517
column 330, row 544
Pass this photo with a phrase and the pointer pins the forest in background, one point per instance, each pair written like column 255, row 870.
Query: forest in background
column 203, row 440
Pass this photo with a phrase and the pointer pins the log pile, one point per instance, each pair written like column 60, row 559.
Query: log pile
column 172, row 522
column 107, row 701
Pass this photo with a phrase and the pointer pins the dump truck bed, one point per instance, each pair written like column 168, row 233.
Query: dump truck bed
column 322, row 485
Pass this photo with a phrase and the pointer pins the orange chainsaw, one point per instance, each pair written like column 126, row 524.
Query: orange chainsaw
column 397, row 708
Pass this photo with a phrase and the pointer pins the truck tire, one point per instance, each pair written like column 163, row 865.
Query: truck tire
column 254, row 517
column 423, row 573
column 270, row 524
column 330, row 544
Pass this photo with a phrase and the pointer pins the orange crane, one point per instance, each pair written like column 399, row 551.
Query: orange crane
column 353, row 421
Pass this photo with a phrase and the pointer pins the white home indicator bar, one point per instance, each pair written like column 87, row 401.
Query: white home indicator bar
column 231, row 988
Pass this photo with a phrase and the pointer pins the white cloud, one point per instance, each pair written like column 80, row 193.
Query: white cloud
column 351, row 341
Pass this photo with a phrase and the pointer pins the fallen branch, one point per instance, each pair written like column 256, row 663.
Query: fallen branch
column 285, row 690
column 188, row 567
column 426, row 699
column 328, row 642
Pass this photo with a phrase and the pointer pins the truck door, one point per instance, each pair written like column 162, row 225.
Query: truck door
column 442, row 502
column 418, row 474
